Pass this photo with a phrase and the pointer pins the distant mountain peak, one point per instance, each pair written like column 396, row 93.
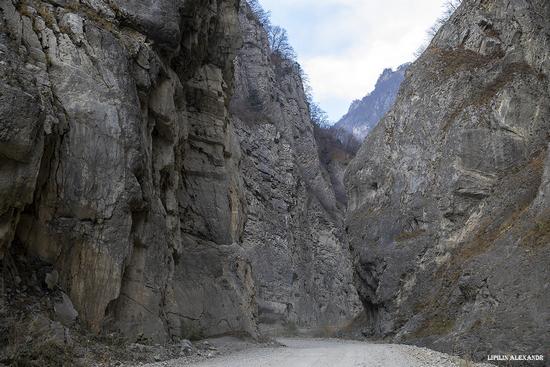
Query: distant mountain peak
column 364, row 114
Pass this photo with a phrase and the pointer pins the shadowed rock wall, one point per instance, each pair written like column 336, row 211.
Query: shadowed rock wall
column 448, row 197
column 294, row 229
column 115, row 125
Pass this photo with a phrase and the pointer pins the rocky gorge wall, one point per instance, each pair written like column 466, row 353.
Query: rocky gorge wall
column 293, row 234
column 448, row 213
column 161, row 158
column 121, row 166
column 118, row 115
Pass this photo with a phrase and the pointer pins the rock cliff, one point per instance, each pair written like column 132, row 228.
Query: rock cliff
column 114, row 123
column 294, row 228
column 121, row 166
column 448, row 197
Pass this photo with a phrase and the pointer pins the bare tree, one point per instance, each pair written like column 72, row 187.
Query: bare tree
column 318, row 116
column 449, row 7
column 277, row 36
column 279, row 44
column 263, row 16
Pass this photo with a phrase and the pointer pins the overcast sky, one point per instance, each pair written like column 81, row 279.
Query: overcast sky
column 344, row 45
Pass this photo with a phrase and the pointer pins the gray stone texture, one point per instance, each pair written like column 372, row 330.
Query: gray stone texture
column 121, row 167
column 448, row 197
column 293, row 234
column 117, row 165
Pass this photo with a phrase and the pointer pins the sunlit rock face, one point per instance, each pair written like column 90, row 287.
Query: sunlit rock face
column 117, row 162
column 122, row 166
column 449, row 210
column 294, row 230
column 364, row 114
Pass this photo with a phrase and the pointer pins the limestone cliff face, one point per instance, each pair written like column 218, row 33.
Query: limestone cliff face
column 118, row 164
column 448, row 197
column 121, row 167
column 294, row 228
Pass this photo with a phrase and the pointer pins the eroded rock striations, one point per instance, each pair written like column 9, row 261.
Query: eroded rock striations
column 294, row 229
column 121, row 167
column 123, row 145
column 448, row 197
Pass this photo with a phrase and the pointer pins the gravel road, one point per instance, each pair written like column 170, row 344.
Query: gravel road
column 329, row 353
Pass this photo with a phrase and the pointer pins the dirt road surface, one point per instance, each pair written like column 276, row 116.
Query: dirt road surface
column 328, row 353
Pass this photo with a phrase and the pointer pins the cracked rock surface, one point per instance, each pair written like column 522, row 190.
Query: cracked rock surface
column 115, row 128
column 293, row 234
column 163, row 214
column 449, row 211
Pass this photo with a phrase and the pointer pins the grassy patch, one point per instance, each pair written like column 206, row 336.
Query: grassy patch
column 47, row 15
column 539, row 235
column 461, row 59
column 24, row 10
column 453, row 61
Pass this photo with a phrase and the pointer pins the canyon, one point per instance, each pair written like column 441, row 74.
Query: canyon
column 162, row 179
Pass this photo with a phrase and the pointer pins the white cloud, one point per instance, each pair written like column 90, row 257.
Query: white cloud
column 345, row 44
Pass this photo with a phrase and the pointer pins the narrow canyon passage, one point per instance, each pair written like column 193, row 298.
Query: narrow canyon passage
column 166, row 177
